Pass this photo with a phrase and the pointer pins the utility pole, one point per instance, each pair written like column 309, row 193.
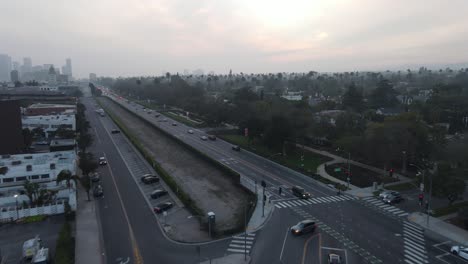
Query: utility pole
column 403, row 167
column 264, row 198
column 349, row 168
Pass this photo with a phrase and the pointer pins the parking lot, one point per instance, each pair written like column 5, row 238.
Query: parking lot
column 446, row 256
column 12, row 237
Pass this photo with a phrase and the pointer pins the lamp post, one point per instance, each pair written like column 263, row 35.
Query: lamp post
column 403, row 169
column 423, row 189
column 17, row 213
column 349, row 168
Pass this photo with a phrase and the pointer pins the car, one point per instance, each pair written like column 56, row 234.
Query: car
column 102, row 161
column 304, row 226
column 157, row 115
column 384, row 194
column 158, row 193
column 148, row 178
column 236, row 148
column 334, row 259
column 300, row 192
column 42, row 142
column 162, row 207
column 212, row 137
column 42, row 256
column 95, row 177
column 190, row 131
column 204, row 138
column 115, row 131
column 98, row 191
column 392, row 199
column 164, row 120
column 460, row 251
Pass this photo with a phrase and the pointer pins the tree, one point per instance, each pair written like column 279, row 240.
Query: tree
column 353, row 99
column 87, row 163
column 38, row 132
column 446, row 183
column 463, row 215
column 85, row 181
column 27, row 137
column 66, row 175
column 63, row 132
column 84, row 141
column 383, row 95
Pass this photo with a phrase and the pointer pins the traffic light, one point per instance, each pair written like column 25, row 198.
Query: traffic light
column 391, row 172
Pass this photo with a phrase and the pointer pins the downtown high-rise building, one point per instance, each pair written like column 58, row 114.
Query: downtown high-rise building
column 27, row 64
column 5, row 67
column 67, row 68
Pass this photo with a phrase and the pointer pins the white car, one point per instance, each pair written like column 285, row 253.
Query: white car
column 460, row 251
column 190, row 131
column 102, row 161
column 204, row 138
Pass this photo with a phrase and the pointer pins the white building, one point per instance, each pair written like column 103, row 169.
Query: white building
column 49, row 123
column 41, row 168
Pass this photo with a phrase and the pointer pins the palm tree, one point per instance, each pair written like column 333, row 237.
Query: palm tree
column 66, row 175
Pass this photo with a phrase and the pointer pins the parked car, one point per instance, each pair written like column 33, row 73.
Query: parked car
column 190, row 131
column 384, row 194
column 300, row 192
column 31, row 246
column 460, row 251
column 162, row 207
column 42, row 256
column 304, row 226
column 148, row 179
column 236, row 148
column 334, row 259
column 115, row 131
column 164, row 120
column 95, row 177
column 102, row 161
column 393, row 198
column 157, row 115
column 98, row 191
column 204, row 138
column 158, row 193
column 212, row 137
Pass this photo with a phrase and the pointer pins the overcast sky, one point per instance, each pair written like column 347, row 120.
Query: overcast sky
column 148, row 37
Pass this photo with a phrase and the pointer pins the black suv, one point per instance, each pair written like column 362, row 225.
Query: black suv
column 300, row 192
column 158, row 193
column 148, row 178
column 236, row 148
column 115, row 131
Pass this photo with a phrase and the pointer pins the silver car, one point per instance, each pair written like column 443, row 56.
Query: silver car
column 384, row 194
column 304, row 226
column 460, row 251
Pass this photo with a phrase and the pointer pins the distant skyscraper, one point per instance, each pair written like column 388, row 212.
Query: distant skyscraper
column 15, row 65
column 27, row 64
column 14, row 76
column 92, row 77
column 5, row 67
column 52, row 79
column 68, row 67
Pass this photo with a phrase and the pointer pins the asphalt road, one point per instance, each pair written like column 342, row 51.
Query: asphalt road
column 129, row 227
column 365, row 234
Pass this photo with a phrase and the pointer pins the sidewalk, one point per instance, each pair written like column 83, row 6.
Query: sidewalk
column 257, row 221
column 229, row 259
column 440, row 227
column 88, row 248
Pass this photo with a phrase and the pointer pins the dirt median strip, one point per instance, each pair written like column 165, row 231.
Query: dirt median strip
column 205, row 185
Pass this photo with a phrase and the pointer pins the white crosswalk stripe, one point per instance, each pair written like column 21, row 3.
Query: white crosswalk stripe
column 242, row 243
column 383, row 206
column 413, row 243
column 311, row 201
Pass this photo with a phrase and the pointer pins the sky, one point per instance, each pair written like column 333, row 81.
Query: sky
column 150, row 37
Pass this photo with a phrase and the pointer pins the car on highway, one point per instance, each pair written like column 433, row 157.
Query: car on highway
column 162, row 207
column 300, row 192
column 303, row 227
column 42, row 142
column 212, row 137
column 102, row 161
column 204, row 138
column 190, row 131
column 98, row 191
column 460, row 251
column 157, row 115
column 384, row 194
column 95, row 177
column 236, row 148
column 334, row 259
column 148, row 179
column 174, row 124
column 164, row 120
column 158, row 193
column 115, row 131
column 393, row 199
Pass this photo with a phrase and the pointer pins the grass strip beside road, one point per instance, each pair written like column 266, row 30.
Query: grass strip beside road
column 308, row 166
column 181, row 119
column 65, row 249
column 449, row 209
column 168, row 179
column 360, row 177
column 402, row 186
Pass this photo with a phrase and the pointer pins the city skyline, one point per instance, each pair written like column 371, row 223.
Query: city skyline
column 150, row 37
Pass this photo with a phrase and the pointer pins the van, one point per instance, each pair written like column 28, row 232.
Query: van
column 300, row 192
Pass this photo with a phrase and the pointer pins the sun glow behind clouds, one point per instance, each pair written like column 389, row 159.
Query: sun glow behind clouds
column 281, row 14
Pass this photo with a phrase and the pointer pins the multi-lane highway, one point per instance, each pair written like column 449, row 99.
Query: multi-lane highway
column 347, row 226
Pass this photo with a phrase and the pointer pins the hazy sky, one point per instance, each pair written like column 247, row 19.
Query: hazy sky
column 148, row 37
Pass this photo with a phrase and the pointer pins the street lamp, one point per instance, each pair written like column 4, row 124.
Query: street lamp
column 403, row 170
column 423, row 189
column 17, row 213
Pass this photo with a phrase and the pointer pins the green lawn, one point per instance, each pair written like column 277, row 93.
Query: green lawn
column 402, row 186
column 449, row 209
column 359, row 176
column 292, row 159
column 181, row 119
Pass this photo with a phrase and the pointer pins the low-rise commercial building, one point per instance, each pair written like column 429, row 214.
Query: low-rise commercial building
column 49, row 109
column 49, row 123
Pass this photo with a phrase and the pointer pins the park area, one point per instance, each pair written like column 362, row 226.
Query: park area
column 360, row 177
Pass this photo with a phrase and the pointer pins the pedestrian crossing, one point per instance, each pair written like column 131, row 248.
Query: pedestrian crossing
column 316, row 200
column 386, row 207
column 414, row 248
column 242, row 243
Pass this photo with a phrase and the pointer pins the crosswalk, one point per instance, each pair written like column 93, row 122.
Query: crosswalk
column 414, row 249
column 316, row 200
column 242, row 243
column 383, row 206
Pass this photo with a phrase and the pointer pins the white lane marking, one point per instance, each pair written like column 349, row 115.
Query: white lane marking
column 237, row 250
column 284, row 243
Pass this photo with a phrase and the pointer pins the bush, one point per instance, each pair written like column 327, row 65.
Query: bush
column 65, row 249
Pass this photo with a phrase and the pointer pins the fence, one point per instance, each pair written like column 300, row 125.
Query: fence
column 12, row 212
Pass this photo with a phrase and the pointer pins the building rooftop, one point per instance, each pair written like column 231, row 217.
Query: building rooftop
column 62, row 142
column 39, row 105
